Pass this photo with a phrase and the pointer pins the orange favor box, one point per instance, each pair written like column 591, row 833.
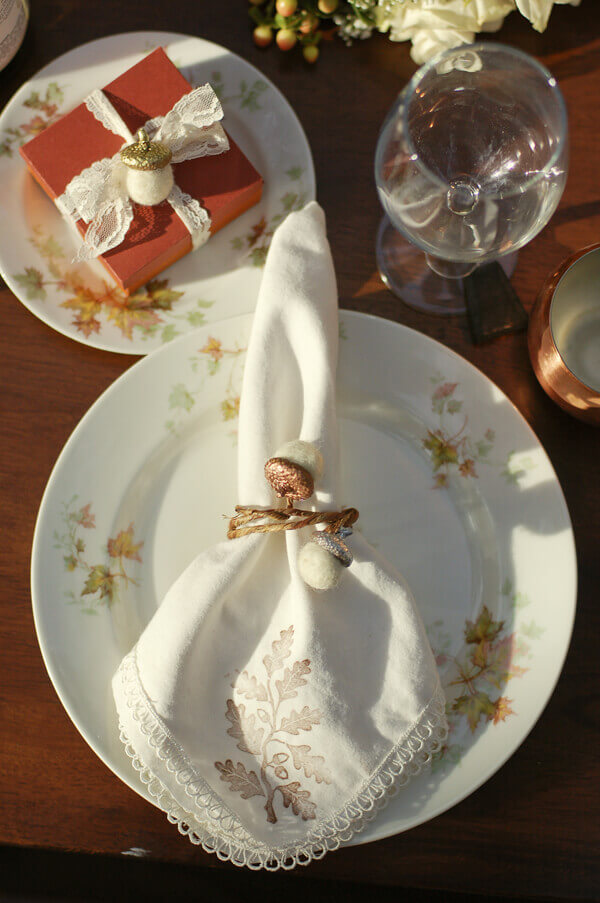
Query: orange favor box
column 226, row 185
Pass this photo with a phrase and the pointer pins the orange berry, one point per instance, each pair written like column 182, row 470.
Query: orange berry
column 286, row 38
column 328, row 6
column 262, row 35
column 311, row 53
column 286, row 7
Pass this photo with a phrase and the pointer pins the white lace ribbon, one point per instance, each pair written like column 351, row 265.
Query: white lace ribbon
column 98, row 195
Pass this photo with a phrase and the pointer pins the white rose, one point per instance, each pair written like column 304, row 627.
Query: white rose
column 427, row 42
column 435, row 25
column 538, row 11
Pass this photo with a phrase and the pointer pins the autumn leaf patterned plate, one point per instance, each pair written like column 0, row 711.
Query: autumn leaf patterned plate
column 218, row 281
column 451, row 484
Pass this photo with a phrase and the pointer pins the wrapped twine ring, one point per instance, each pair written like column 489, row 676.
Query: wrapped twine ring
column 276, row 520
column 291, row 474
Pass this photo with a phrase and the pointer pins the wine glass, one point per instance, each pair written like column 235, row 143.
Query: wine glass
column 470, row 165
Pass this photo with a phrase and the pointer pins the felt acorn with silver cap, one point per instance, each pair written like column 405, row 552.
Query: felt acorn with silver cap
column 149, row 171
column 322, row 559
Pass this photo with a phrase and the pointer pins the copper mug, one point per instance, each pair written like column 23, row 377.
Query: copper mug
column 564, row 335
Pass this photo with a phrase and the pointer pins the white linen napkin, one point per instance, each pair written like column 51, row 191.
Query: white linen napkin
column 271, row 721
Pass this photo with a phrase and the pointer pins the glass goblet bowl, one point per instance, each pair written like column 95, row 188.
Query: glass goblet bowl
column 470, row 165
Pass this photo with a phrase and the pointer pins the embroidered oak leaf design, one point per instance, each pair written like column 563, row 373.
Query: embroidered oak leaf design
column 292, row 679
column 300, row 721
column 246, row 783
column 312, row 766
column 281, row 649
column 298, row 799
column 244, row 729
column 249, row 687
column 274, row 765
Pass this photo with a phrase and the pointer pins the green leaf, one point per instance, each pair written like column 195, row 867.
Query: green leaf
column 484, row 628
column 54, row 94
column 33, row 101
column 33, row 283
column 257, row 15
column 521, row 600
column 204, row 304
column 475, row 706
column 70, row 562
column 169, row 333
column 99, row 580
column 442, row 451
column 288, row 201
column 195, row 318
column 258, row 256
column 50, row 248
column 454, row 406
column 533, row 630
column 237, row 244
column 160, row 295
column 294, row 172
column 181, row 398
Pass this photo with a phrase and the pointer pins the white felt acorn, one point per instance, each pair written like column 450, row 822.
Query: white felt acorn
column 294, row 468
column 149, row 171
column 322, row 559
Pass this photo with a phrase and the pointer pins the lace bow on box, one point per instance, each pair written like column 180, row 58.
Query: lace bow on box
column 102, row 194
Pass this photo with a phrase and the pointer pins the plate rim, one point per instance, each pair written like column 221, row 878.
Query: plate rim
column 376, row 830
column 311, row 190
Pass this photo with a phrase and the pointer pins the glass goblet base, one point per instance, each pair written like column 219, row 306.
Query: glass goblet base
column 405, row 271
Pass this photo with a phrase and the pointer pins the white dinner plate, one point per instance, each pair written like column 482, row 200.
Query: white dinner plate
column 452, row 486
column 217, row 281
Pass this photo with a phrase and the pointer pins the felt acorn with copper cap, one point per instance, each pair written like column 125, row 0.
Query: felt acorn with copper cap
column 294, row 469
column 149, row 171
column 292, row 474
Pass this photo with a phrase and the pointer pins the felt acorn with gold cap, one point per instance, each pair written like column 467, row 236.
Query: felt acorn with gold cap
column 149, row 171
column 292, row 473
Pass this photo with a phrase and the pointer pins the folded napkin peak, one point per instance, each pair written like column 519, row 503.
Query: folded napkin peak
column 270, row 722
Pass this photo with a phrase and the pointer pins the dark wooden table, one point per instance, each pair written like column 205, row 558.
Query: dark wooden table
column 533, row 830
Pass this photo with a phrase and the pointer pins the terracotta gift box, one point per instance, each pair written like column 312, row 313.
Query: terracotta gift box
column 226, row 185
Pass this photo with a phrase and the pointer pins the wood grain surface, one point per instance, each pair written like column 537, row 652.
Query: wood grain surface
column 533, row 830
